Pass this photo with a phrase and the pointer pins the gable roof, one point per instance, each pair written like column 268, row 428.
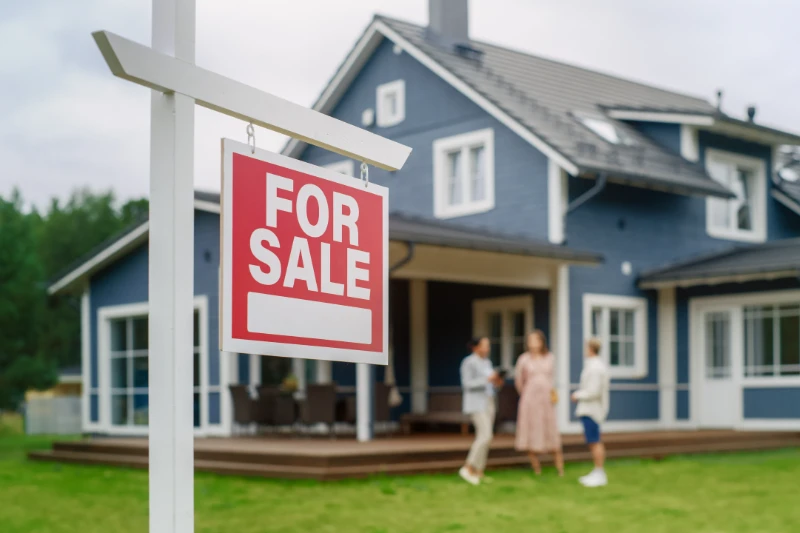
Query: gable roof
column 401, row 228
column 539, row 100
column 770, row 260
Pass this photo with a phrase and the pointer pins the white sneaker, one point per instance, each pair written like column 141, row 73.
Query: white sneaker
column 469, row 478
column 587, row 476
column 597, row 478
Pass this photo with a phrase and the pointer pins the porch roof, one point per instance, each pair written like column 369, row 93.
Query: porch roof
column 769, row 260
column 423, row 231
column 402, row 228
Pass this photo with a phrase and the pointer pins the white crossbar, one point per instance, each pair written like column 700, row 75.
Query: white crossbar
column 143, row 65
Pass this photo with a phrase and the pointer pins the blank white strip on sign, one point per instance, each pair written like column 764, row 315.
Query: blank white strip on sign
column 278, row 315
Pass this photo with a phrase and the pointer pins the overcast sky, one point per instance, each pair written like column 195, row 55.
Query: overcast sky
column 65, row 122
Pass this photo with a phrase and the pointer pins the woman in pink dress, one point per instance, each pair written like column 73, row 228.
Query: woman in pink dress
column 537, row 428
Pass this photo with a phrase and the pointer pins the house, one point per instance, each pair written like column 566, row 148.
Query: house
column 537, row 195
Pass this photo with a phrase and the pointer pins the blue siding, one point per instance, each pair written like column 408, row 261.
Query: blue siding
column 772, row 403
column 665, row 135
column 243, row 367
column 435, row 110
column 682, row 405
column 126, row 282
column 626, row 405
column 648, row 229
column 94, row 408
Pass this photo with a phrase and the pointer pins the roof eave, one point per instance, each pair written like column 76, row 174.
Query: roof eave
column 715, row 279
column 658, row 184
column 713, row 121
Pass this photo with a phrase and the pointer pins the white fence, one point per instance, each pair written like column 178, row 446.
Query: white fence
column 53, row 416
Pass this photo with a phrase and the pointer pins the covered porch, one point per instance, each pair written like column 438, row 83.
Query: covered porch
column 447, row 284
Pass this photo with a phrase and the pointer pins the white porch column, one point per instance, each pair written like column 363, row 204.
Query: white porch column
column 324, row 372
column 255, row 370
column 299, row 371
column 559, row 338
column 171, row 281
column 364, row 390
column 667, row 356
column 86, row 359
column 418, row 304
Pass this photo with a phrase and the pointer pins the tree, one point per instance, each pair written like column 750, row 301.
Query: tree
column 66, row 234
column 21, row 301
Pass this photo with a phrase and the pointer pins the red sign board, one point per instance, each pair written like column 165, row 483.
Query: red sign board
column 304, row 260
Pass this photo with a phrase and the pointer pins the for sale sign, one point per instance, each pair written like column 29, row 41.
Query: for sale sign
column 304, row 260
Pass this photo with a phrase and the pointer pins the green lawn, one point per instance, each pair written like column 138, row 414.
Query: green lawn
column 713, row 494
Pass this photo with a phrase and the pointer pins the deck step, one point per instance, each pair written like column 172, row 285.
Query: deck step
column 236, row 466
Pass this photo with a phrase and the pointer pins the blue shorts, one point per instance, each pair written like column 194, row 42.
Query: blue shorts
column 591, row 430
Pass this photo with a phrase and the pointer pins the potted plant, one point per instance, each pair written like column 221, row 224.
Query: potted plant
column 289, row 383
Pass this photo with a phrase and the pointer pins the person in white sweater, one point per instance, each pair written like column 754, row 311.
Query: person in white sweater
column 592, row 398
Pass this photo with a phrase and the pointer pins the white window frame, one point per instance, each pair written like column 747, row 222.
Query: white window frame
column 345, row 167
column 462, row 143
column 104, row 317
column 759, row 197
column 505, row 306
column 736, row 303
column 638, row 305
column 385, row 118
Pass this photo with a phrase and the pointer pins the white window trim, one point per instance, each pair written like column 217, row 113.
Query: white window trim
column 384, row 119
column 480, row 325
column 736, row 304
column 759, row 204
column 639, row 307
column 441, row 147
column 345, row 167
column 104, row 317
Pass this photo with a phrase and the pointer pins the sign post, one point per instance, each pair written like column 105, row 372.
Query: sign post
column 178, row 84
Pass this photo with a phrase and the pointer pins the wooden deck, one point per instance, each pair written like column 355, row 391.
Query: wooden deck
column 319, row 458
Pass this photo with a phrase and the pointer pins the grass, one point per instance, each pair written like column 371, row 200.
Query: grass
column 711, row 494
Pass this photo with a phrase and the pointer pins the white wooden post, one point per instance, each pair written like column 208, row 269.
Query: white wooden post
column 171, row 279
column 364, row 391
column 560, row 328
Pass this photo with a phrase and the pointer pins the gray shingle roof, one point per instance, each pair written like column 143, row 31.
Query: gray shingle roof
column 776, row 258
column 544, row 96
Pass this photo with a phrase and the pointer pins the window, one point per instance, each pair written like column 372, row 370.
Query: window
column 463, row 174
column 345, row 167
column 391, row 103
column 718, row 345
column 128, row 352
column 744, row 216
column 506, row 322
column 607, row 130
column 772, row 340
column 620, row 322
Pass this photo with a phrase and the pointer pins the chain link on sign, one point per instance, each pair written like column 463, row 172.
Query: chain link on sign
column 365, row 174
column 251, row 136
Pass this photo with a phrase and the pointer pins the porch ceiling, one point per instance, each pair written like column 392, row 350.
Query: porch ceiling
column 444, row 252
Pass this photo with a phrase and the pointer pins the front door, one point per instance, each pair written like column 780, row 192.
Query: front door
column 718, row 402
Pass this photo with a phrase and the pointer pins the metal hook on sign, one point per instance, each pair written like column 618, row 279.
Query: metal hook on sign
column 251, row 136
column 365, row 174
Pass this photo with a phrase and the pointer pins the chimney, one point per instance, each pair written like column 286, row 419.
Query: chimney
column 751, row 113
column 448, row 22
